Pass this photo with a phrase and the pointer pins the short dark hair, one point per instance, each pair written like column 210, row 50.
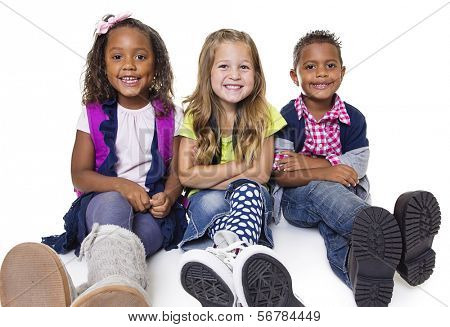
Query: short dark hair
column 96, row 85
column 318, row 36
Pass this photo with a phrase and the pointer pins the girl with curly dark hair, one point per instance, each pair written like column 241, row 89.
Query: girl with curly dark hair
column 98, row 87
column 128, row 189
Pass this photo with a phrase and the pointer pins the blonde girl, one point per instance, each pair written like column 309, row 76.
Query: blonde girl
column 226, row 156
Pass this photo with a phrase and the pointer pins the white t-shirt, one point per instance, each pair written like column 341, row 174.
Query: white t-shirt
column 134, row 139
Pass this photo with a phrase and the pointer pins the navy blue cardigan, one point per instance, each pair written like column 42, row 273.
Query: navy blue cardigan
column 353, row 136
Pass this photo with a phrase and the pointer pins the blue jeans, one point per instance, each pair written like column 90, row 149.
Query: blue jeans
column 111, row 208
column 332, row 208
column 206, row 206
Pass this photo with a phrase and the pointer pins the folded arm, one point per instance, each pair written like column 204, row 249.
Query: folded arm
column 203, row 176
column 260, row 169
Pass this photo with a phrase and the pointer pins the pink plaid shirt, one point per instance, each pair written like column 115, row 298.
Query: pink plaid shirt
column 323, row 136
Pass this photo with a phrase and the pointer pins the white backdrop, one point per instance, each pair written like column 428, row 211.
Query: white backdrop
column 401, row 86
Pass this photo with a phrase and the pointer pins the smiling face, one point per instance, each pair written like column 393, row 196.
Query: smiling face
column 319, row 72
column 232, row 73
column 130, row 66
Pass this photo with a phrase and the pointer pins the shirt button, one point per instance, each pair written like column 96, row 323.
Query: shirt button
column 320, row 145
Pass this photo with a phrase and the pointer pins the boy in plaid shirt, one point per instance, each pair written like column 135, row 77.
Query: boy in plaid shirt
column 320, row 181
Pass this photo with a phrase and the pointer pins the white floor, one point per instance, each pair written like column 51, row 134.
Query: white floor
column 304, row 255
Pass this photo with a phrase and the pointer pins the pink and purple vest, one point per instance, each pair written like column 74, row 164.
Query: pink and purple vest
column 165, row 126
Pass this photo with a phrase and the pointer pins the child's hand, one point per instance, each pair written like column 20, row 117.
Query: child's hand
column 342, row 174
column 135, row 194
column 292, row 161
column 161, row 205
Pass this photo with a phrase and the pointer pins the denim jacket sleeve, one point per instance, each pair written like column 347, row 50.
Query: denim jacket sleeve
column 281, row 143
column 358, row 159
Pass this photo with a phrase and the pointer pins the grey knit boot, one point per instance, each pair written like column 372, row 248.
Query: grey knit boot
column 117, row 275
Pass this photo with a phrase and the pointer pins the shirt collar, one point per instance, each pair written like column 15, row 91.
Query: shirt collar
column 338, row 111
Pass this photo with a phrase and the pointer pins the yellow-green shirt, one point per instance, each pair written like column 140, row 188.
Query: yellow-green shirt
column 277, row 122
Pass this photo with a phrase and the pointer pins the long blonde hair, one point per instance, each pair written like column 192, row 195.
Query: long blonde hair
column 252, row 117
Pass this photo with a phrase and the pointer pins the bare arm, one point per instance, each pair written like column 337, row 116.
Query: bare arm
column 173, row 187
column 84, row 176
column 342, row 174
column 162, row 202
column 260, row 169
column 203, row 176
column 295, row 161
column 311, row 163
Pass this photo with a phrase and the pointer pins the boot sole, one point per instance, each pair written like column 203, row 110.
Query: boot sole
column 267, row 283
column 32, row 275
column 206, row 286
column 111, row 296
column 377, row 247
column 419, row 217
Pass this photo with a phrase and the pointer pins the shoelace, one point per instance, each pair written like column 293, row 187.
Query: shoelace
column 88, row 241
column 229, row 253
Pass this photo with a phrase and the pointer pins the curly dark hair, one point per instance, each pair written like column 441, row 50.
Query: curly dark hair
column 96, row 85
column 318, row 36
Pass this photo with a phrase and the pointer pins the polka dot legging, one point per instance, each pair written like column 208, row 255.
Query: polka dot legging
column 245, row 216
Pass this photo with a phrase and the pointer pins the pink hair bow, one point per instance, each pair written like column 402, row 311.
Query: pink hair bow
column 103, row 27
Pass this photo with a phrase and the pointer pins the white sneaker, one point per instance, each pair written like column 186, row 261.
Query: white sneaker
column 207, row 274
column 261, row 280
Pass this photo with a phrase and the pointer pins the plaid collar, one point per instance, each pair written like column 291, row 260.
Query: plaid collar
column 338, row 111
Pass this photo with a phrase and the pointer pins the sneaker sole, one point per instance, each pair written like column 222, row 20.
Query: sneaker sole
column 32, row 275
column 267, row 283
column 206, row 286
column 377, row 247
column 419, row 217
column 111, row 296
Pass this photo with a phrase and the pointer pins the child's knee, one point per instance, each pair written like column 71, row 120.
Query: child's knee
column 209, row 204
column 109, row 208
column 112, row 197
